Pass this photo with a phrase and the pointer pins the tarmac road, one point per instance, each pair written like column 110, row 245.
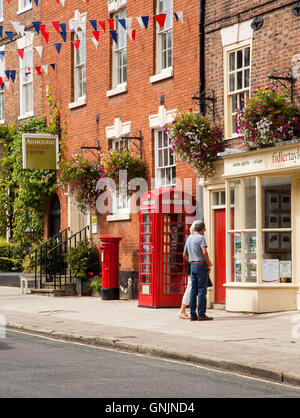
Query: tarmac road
column 33, row 367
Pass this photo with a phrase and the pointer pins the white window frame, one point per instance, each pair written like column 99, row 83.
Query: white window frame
column 26, row 75
column 164, row 169
column 24, row 6
column 120, row 205
column 1, row 12
column 164, row 70
column 230, row 94
column 78, row 31
column 118, row 49
column 2, row 74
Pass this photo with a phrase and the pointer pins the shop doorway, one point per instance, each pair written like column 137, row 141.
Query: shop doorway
column 54, row 216
column 219, row 246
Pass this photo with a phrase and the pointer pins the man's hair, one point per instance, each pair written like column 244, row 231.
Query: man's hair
column 199, row 226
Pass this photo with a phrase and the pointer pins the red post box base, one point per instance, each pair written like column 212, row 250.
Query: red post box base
column 110, row 294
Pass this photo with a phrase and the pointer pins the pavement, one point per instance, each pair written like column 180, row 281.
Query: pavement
column 261, row 345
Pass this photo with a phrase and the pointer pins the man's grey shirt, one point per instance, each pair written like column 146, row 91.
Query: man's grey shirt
column 193, row 246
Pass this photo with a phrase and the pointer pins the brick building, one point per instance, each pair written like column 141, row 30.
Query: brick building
column 100, row 89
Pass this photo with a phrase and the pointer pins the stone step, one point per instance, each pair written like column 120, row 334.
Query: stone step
column 68, row 289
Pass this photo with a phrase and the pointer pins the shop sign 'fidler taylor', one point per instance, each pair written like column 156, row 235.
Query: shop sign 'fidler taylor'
column 40, row 151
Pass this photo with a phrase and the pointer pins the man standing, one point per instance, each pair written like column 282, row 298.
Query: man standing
column 195, row 252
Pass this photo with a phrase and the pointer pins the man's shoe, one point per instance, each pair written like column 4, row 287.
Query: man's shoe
column 193, row 318
column 205, row 318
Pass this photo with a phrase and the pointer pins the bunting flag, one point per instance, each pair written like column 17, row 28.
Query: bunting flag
column 36, row 2
column 39, row 50
column 1, row 31
column 21, row 52
column 9, row 34
column 53, row 66
column 38, row 69
column 111, row 23
column 45, row 68
column 122, row 22
column 143, row 21
column 36, row 26
column 56, row 26
column 58, row 47
column 7, row 84
column 13, row 75
column 1, row 82
column 94, row 24
column 44, row 33
column 179, row 16
column 76, row 43
column 64, row 35
column 63, row 27
column 2, row 53
column 128, row 22
column 20, row 29
column 96, row 35
column 62, row 2
column 160, row 19
column 102, row 24
column 114, row 35
column 131, row 33
column 95, row 42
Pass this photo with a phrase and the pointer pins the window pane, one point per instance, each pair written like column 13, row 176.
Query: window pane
column 232, row 61
column 239, row 59
column 277, row 260
column 239, row 80
column 276, row 198
column 250, row 203
column 246, row 78
column 236, row 207
column 236, row 257
column 246, row 57
column 231, row 82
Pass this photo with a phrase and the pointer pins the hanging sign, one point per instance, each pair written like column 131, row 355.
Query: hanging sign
column 40, row 151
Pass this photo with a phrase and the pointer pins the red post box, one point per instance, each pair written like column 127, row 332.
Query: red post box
column 165, row 218
column 110, row 266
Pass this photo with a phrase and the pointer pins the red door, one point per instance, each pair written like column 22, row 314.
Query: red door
column 220, row 255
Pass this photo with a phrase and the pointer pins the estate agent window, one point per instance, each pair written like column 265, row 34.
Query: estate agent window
column 237, row 84
column 260, row 230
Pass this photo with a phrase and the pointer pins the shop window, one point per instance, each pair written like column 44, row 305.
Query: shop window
column 264, row 236
column 277, row 236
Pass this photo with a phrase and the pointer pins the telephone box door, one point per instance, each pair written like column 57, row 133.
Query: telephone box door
column 171, row 277
column 147, row 260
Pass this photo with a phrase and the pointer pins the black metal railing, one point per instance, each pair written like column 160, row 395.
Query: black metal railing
column 41, row 259
column 59, row 272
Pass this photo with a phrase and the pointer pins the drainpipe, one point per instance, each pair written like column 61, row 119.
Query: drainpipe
column 202, row 107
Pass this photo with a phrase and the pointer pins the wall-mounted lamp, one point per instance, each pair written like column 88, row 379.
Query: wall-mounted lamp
column 97, row 118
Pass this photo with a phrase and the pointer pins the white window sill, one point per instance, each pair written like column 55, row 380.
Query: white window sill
column 121, row 88
column 80, row 102
column 29, row 7
column 166, row 73
column 118, row 217
column 27, row 115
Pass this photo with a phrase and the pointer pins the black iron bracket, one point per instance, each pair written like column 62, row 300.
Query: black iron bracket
column 137, row 137
column 203, row 98
column 288, row 82
column 93, row 149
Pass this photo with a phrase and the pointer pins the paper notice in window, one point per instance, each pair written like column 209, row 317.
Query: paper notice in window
column 285, row 269
column 271, row 271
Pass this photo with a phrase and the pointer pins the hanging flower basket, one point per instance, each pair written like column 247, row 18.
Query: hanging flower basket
column 195, row 140
column 80, row 177
column 267, row 118
column 121, row 166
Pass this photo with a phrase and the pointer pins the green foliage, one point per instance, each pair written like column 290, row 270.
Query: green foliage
column 10, row 264
column 83, row 259
column 81, row 177
column 115, row 161
column 95, row 284
column 11, row 255
column 23, row 192
column 196, row 140
column 267, row 118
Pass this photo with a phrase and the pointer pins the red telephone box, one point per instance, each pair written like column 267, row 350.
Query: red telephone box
column 164, row 225
column 110, row 266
